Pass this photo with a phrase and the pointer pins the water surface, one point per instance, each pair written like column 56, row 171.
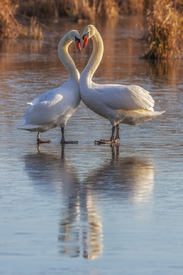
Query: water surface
column 82, row 208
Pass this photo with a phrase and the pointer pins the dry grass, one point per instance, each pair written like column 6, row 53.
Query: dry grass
column 38, row 8
column 131, row 6
column 108, row 9
column 88, row 9
column 82, row 9
column 11, row 28
column 35, row 31
column 79, row 9
column 165, row 33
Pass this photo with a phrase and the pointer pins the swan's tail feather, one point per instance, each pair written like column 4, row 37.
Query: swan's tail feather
column 138, row 116
column 157, row 113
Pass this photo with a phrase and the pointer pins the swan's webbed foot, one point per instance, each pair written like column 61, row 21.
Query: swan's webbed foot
column 112, row 140
column 63, row 141
column 103, row 141
column 39, row 140
column 68, row 142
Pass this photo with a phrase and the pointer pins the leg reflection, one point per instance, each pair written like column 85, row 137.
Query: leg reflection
column 80, row 228
column 93, row 231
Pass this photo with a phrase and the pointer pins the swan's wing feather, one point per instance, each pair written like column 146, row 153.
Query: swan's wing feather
column 43, row 97
column 123, row 97
column 56, row 103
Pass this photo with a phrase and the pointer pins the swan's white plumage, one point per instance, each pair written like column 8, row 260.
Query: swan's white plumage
column 124, row 97
column 54, row 107
column 118, row 103
column 48, row 109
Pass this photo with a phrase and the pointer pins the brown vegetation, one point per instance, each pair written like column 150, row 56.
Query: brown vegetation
column 35, row 30
column 38, row 8
column 11, row 28
column 79, row 9
column 165, row 22
column 165, row 33
column 132, row 6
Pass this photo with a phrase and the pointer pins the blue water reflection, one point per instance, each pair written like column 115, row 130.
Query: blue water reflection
column 116, row 179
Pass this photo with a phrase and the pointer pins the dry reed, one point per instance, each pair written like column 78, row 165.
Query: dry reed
column 79, row 9
column 11, row 28
column 35, row 31
column 82, row 9
column 38, row 8
column 131, row 6
column 165, row 33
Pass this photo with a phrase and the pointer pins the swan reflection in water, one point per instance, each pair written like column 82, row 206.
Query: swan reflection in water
column 81, row 223
column 124, row 177
column 81, row 226
column 50, row 171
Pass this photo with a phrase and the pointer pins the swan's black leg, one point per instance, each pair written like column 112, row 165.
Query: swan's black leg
column 117, row 133
column 63, row 141
column 63, row 136
column 112, row 135
column 39, row 140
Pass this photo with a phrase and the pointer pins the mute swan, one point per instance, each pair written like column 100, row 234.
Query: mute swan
column 55, row 107
column 118, row 103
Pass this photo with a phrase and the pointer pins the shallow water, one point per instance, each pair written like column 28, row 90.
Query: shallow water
column 82, row 208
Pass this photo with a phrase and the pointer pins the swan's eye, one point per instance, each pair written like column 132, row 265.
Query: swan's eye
column 77, row 39
column 86, row 34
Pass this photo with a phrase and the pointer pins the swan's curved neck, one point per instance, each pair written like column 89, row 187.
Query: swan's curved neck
column 66, row 58
column 95, row 58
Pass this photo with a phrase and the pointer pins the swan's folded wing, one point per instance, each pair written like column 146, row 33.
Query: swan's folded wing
column 122, row 97
column 47, row 111
column 42, row 97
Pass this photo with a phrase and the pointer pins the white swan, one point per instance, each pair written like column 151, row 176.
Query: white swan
column 55, row 107
column 118, row 103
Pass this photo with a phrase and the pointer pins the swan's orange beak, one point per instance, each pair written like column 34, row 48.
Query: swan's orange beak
column 78, row 45
column 85, row 41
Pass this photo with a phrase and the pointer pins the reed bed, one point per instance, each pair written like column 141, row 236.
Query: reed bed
column 130, row 7
column 165, row 33
column 165, row 22
column 35, row 31
column 11, row 28
column 78, row 9
column 81, row 9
